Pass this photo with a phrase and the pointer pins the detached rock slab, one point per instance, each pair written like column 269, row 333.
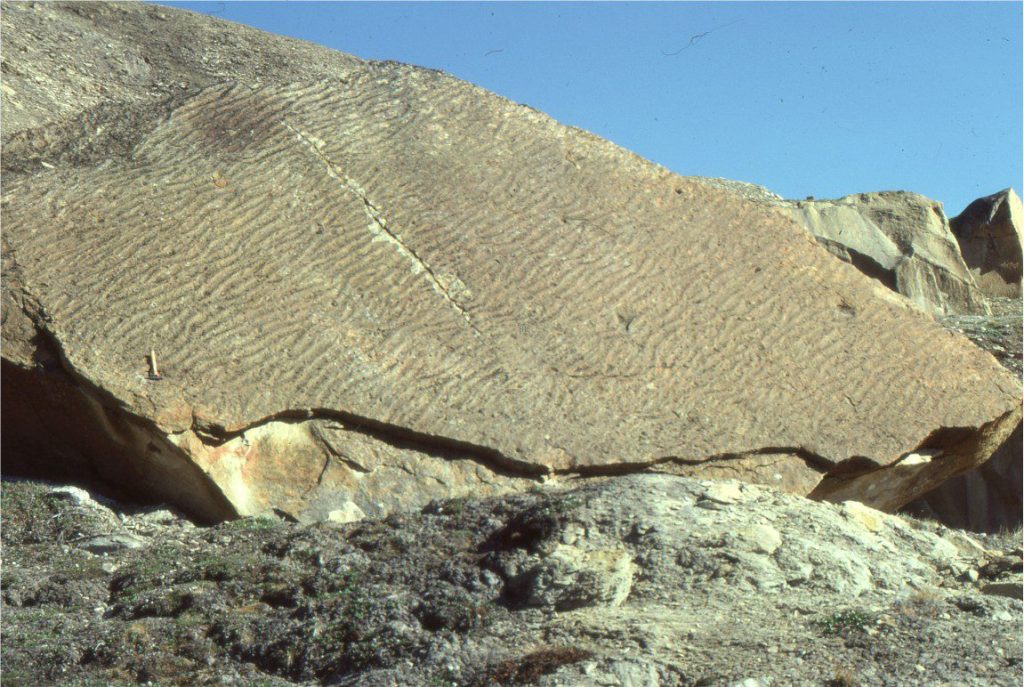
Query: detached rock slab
column 991, row 233
column 901, row 239
column 389, row 286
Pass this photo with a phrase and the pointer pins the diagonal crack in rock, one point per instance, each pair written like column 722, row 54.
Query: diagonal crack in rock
column 378, row 223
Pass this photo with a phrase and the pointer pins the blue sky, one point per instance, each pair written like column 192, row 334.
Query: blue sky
column 821, row 99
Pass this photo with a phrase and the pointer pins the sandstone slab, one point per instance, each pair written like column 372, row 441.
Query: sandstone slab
column 985, row 499
column 991, row 233
column 365, row 282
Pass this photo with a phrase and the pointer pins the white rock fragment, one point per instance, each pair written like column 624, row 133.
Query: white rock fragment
column 110, row 543
column 762, row 538
column 350, row 512
column 571, row 577
column 870, row 519
column 721, row 493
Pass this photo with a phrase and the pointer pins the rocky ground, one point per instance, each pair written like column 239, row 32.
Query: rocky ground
column 640, row 580
column 998, row 333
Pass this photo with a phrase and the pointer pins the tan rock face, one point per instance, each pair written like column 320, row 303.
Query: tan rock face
column 991, row 232
column 389, row 286
column 901, row 239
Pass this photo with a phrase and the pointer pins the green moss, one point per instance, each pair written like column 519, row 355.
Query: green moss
column 346, row 591
column 455, row 506
column 847, row 621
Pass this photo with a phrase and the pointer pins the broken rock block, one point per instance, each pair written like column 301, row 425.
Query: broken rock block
column 991, row 231
column 572, row 578
column 985, row 499
column 902, row 240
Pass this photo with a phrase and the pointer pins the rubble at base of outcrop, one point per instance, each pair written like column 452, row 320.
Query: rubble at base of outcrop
column 643, row 580
column 998, row 333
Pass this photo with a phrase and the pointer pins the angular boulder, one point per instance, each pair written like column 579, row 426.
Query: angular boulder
column 901, row 239
column 991, row 232
column 369, row 285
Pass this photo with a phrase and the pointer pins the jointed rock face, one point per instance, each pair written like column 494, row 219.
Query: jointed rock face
column 370, row 285
column 901, row 239
column 991, row 234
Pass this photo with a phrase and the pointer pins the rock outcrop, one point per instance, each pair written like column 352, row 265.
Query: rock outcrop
column 991, row 232
column 901, row 239
column 989, row 497
column 369, row 285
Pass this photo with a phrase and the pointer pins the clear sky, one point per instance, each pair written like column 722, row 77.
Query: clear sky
column 821, row 99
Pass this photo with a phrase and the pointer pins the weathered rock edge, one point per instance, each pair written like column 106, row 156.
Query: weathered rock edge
column 232, row 122
column 902, row 239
